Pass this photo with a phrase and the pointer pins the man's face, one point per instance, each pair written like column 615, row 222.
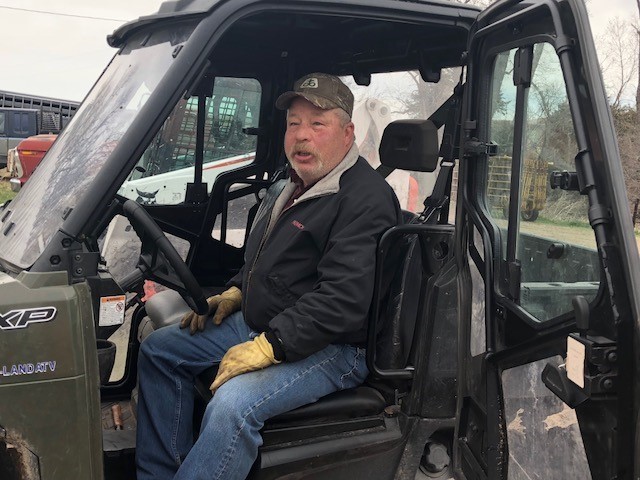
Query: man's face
column 315, row 141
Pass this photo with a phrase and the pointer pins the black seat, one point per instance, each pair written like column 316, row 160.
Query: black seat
column 406, row 145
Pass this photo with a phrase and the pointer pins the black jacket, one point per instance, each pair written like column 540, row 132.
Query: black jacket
column 309, row 270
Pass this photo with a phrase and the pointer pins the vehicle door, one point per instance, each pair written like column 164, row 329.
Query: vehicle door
column 549, row 303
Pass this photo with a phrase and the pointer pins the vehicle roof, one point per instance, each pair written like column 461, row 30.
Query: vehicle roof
column 201, row 6
column 193, row 8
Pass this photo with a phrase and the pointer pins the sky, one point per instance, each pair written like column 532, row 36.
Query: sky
column 61, row 55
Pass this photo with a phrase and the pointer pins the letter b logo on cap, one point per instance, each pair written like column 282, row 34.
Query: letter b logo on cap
column 310, row 83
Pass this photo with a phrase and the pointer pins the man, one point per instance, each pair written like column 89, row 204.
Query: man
column 305, row 291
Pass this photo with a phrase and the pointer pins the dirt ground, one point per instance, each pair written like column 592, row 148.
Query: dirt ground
column 574, row 235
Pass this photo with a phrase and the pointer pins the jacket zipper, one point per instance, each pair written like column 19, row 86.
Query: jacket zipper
column 265, row 235
column 255, row 260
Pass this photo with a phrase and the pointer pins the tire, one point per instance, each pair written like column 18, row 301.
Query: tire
column 529, row 215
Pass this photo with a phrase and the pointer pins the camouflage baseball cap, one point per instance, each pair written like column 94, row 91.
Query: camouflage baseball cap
column 323, row 90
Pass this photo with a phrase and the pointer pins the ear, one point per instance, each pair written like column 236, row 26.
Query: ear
column 349, row 130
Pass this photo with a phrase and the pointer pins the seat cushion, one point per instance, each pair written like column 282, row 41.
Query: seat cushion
column 351, row 403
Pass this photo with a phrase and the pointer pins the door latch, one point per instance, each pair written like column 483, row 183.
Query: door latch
column 591, row 367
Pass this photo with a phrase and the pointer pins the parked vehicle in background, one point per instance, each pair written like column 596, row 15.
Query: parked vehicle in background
column 28, row 155
column 164, row 169
column 15, row 124
column 534, row 186
column 22, row 116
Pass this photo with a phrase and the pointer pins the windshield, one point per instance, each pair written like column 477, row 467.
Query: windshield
column 82, row 149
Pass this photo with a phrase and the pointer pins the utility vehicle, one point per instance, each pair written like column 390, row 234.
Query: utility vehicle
column 498, row 348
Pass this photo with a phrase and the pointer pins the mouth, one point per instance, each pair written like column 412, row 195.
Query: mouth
column 302, row 155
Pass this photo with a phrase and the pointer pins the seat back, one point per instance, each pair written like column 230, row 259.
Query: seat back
column 410, row 145
column 407, row 145
column 399, row 314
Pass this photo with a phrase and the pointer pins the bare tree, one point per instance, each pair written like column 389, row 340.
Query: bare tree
column 424, row 98
column 626, row 124
column 620, row 61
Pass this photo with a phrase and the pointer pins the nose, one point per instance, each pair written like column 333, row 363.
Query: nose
column 302, row 133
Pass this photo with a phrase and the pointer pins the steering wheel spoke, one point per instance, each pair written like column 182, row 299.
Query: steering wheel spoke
column 160, row 261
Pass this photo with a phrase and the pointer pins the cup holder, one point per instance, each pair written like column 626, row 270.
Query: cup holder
column 106, row 359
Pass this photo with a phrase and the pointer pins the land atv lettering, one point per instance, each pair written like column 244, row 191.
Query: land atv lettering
column 28, row 368
column 22, row 318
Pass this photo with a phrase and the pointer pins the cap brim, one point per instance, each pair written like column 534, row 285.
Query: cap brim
column 284, row 100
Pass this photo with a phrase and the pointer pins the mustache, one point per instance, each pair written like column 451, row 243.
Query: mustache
column 302, row 147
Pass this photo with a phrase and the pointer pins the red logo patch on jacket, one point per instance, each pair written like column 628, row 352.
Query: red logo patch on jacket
column 297, row 224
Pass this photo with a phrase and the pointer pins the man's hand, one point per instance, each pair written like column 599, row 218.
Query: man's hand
column 245, row 357
column 223, row 305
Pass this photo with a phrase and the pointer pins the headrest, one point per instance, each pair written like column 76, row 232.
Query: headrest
column 410, row 145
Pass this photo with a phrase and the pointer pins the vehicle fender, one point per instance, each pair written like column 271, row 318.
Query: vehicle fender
column 49, row 381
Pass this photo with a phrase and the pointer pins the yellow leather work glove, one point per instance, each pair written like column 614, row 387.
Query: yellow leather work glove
column 245, row 357
column 223, row 305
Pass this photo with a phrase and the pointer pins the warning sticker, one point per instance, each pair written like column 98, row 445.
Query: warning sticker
column 575, row 361
column 112, row 310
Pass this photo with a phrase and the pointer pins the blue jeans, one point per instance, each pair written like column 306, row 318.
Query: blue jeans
column 170, row 359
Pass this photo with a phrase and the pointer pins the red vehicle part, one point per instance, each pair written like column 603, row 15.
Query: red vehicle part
column 31, row 150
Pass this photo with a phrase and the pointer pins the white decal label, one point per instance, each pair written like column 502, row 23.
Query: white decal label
column 112, row 310
column 15, row 319
column 310, row 83
column 575, row 361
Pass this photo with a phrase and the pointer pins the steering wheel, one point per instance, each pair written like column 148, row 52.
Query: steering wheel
column 160, row 261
